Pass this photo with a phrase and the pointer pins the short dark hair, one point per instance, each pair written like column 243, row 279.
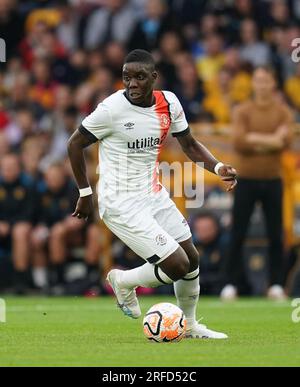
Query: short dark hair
column 141, row 56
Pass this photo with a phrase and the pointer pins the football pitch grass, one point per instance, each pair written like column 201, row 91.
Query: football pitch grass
column 78, row 331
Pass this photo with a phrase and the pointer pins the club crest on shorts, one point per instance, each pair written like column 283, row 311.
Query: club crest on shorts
column 161, row 240
column 164, row 121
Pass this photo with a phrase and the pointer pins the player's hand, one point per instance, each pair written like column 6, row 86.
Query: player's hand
column 228, row 174
column 84, row 207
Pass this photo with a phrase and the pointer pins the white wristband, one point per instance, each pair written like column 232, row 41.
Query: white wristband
column 217, row 167
column 85, row 192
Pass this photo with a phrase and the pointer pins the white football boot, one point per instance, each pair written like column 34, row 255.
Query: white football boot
column 126, row 298
column 200, row 331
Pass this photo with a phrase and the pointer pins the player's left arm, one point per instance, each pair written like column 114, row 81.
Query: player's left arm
column 197, row 152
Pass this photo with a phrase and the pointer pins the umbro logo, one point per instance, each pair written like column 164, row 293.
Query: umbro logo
column 129, row 125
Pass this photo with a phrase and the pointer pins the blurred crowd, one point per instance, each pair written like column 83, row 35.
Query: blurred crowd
column 64, row 57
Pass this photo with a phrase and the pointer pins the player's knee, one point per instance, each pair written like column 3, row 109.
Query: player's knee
column 193, row 259
column 192, row 253
column 183, row 268
column 177, row 265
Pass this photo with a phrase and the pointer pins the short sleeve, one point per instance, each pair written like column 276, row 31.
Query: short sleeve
column 98, row 123
column 179, row 124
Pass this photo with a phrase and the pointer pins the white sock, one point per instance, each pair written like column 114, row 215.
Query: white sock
column 39, row 275
column 147, row 276
column 187, row 293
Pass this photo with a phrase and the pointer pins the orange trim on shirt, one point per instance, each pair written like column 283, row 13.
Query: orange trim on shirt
column 162, row 109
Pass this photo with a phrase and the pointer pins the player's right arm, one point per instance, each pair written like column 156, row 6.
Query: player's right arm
column 94, row 127
column 81, row 139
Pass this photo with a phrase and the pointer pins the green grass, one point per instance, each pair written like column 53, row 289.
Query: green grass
column 93, row 332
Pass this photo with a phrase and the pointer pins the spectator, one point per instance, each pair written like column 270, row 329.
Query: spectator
column 223, row 92
column 107, row 24
column 83, row 98
column 51, row 50
column 171, row 45
column 218, row 99
column 253, row 50
column 16, row 214
column 11, row 26
column 30, row 42
column 295, row 9
column 22, row 126
column 43, row 88
column 277, row 42
column 30, row 157
column 4, row 145
column 210, row 25
column 292, row 88
column 63, row 99
column 212, row 60
column 79, row 66
column 19, row 95
column 149, row 30
column 279, row 14
column 211, row 243
column 189, row 90
column 114, row 58
column 243, row 9
column 262, row 130
column 58, row 230
column 96, row 59
column 104, row 82
column 234, row 15
column 57, row 147
column 13, row 68
column 67, row 29
column 188, row 12
column 241, row 88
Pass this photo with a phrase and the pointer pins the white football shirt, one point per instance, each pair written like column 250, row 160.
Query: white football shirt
column 131, row 138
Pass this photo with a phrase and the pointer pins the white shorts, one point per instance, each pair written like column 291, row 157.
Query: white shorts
column 153, row 229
